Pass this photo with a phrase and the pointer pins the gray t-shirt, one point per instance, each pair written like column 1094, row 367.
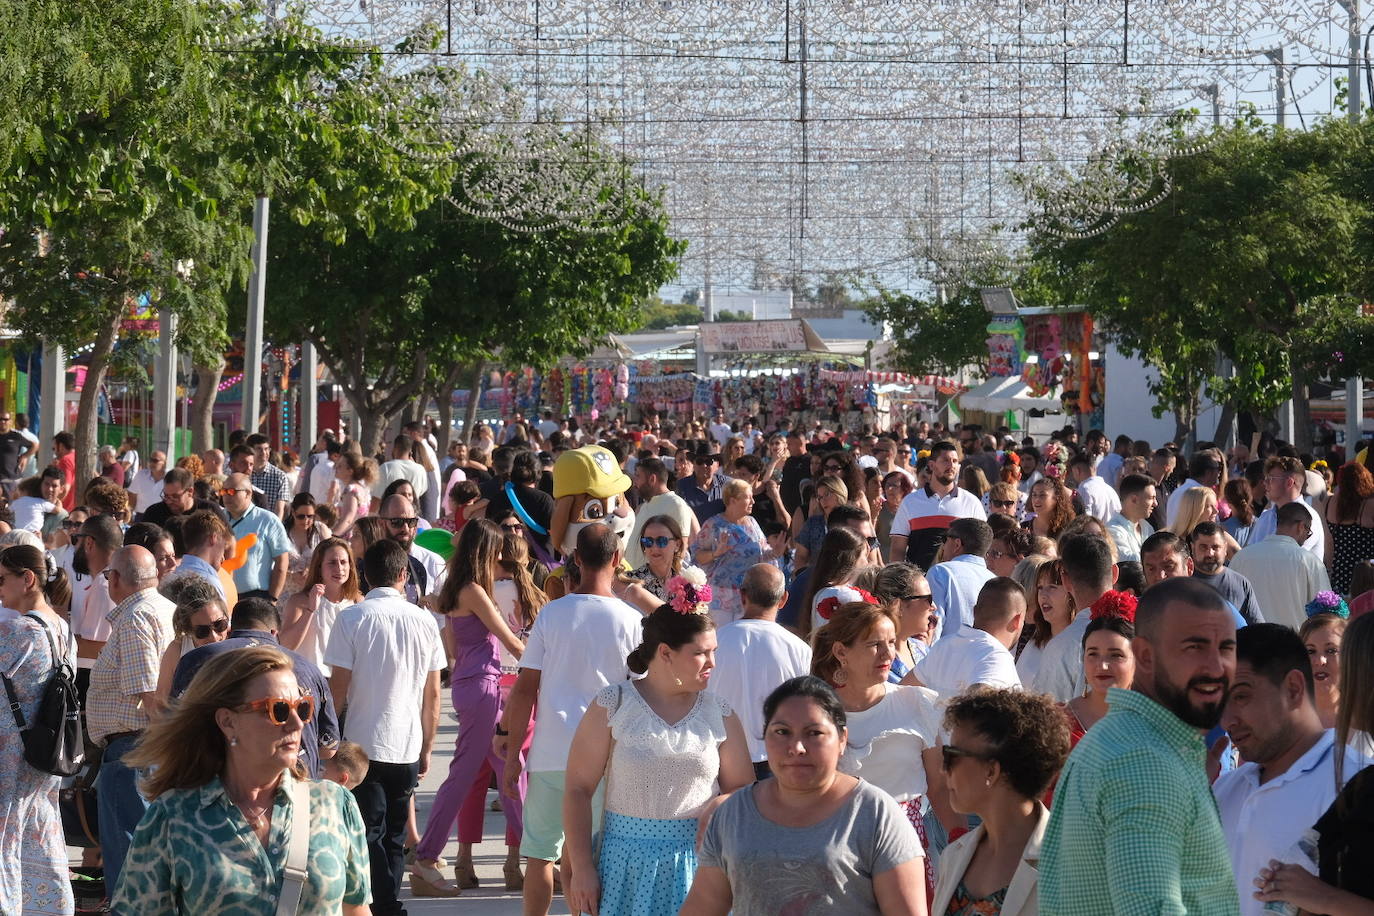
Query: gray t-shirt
column 822, row 869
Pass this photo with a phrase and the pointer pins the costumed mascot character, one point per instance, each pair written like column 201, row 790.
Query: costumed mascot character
column 588, row 486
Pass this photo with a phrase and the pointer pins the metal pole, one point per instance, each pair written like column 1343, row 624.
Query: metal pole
column 1354, row 386
column 310, row 401
column 53, row 408
column 257, row 297
column 165, row 387
column 1280, row 87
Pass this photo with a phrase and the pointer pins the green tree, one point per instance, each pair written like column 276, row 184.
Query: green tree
column 1248, row 256
column 660, row 315
column 930, row 337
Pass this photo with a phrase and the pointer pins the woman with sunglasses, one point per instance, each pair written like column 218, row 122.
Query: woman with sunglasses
column 478, row 630
column 665, row 552
column 1004, row 748
column 200, row 618
column 811, row 838
column 33, row 859
column 304, row 531
column 330, row 586
column 224, row 779
column 896, row 486
column 902, row 588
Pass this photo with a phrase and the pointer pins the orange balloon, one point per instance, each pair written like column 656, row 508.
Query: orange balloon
column 241, row 548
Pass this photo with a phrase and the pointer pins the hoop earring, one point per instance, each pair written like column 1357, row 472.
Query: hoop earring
column 841, row 678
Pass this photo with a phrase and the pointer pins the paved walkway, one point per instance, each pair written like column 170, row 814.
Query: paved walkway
column 488, row 858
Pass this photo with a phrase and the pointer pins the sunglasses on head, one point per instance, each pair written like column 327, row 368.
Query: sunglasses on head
column 278, row 709
column 203, row 630
column 661, row 541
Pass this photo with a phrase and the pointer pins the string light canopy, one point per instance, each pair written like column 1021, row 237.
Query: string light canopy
column 814, row 138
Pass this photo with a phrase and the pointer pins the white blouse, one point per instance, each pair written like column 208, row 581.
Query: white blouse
column 886, row 740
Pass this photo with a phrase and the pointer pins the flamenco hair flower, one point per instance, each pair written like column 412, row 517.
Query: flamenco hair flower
column 1013, row 458
column 923, row 453
column 1115, row 604
column 1328, row 602
column 1319, row 464
column 826, row 609
column 687, row 596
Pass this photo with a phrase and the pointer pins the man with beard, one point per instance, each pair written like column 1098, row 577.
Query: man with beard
column 1208, row 543
column 918, row 528
column 97, row 541
column 1135, row 828
column 426, row 566
column 1288, row 779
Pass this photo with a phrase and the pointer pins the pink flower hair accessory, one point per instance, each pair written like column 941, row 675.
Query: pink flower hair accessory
column 688, row 592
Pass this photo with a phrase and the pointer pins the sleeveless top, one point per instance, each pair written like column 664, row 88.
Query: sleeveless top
column 657, row 770
column 1350, row 544
column 507, row 600
column 474, row 648
column 317, row 636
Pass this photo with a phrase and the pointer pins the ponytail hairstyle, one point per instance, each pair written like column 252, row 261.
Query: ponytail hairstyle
column 666, row 627
column 50, row 578
column 850, row 623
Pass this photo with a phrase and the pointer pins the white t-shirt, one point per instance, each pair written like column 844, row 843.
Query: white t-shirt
column 886, row 740
column 1099, row 499
column 148, row 490
column 721, row 432
column 1061, row 661
column 966, row 657
column 752, row 658
column 29, row 511
column 579, row 644
column 391, row 646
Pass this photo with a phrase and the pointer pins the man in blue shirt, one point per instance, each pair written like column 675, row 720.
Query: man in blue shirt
column 263, row 573
column 255, row 622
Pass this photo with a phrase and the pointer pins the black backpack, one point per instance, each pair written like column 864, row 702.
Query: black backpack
column 54, row 743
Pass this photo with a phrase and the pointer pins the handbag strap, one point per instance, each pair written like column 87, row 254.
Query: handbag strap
column 10, row 695
column 297, row 850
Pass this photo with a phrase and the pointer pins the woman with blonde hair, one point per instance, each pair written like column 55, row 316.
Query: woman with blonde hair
column 227, row 791
column 1196, row 505
column 726, row 546
column 830, row 491
column 331, row 584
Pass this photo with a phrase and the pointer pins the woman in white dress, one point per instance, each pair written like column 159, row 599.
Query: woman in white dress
column 331, row 584
column 891, row 727
column 670, row 753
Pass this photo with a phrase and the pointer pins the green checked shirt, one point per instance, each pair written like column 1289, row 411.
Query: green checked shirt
column 1135, row 827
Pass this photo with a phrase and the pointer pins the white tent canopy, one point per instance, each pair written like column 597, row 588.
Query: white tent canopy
column 1001, row 393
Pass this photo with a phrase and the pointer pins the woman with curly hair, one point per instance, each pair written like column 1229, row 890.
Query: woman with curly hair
column 1052, row 504
column 1350, row 516
column 1004, row 747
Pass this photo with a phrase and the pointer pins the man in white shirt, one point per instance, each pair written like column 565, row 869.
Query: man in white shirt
column 1109, row 468
column 1089, row 573
column 99, row 539
column 979, row 654
column 956, row 582
column 429, row 501
column 548, row 426
column 1284, row 480
column 720, row 430
column 400, row 467
column 1130, row 526
column 755, row 654
column 1099, row 499
column 579, row 644
column 392, row 707
column 322, row 483
column 651, row 483
column 1203, row 471
column 147, row 483
column 1269, row 804
column 1284, row 575
column 918, row 526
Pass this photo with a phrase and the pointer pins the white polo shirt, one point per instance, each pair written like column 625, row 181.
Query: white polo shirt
column 966, row 657
column 1263, row 822
column 924, row 515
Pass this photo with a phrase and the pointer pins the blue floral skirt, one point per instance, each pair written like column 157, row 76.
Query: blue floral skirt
column 645, row 865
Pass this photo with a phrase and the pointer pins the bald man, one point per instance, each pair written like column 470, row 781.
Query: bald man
column 263, row 573
column 123, row 698
column 755, row 654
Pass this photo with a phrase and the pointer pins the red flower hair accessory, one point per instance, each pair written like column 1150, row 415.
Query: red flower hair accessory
column 828, row 605
column 1115, row 604
column 688, row 593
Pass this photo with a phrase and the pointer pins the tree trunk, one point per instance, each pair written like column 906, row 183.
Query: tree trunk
column 1182, row 424
column 474, row 394
column 1222, row 436
column 203, row 406
column 1302, row 412
column 445, row 406
column 87, row 413
column 371, row 423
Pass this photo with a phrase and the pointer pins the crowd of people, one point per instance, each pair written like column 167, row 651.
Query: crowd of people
column 915, row 670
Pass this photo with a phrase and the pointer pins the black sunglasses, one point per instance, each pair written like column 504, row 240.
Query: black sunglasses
column 399, row 522
column 927, row 597
column 834, row 467
column 660, row 541
column 203, row 630
column 1004, row 503
column 949, row 753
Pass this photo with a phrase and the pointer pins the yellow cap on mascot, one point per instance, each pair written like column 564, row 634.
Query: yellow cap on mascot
column 587, row 488
column 590, row 469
